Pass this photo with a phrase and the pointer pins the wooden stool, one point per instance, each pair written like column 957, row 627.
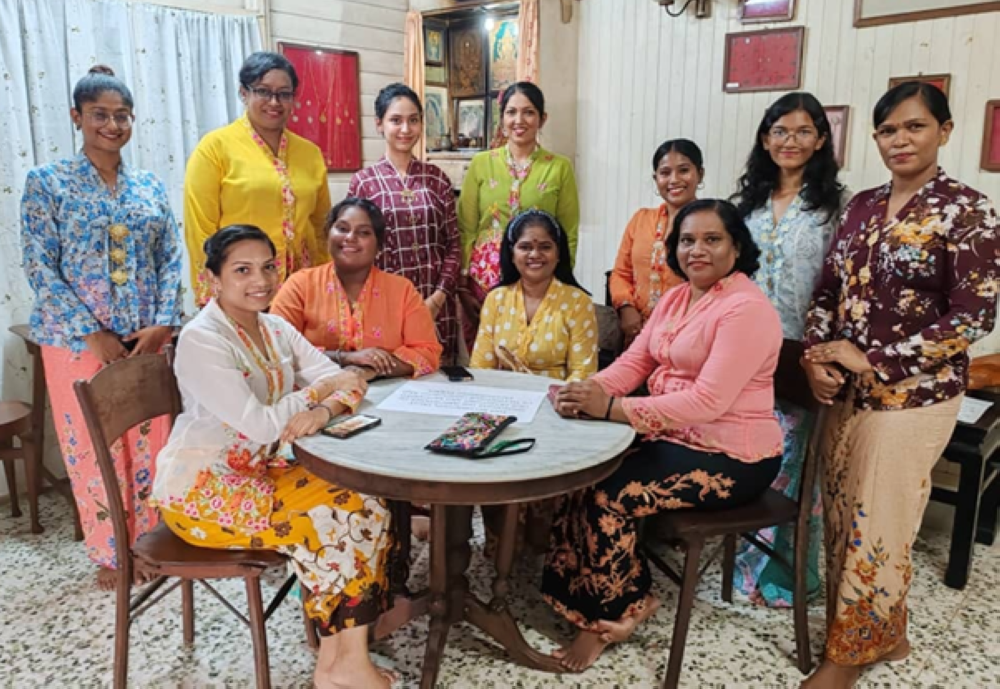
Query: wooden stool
column 15, row 422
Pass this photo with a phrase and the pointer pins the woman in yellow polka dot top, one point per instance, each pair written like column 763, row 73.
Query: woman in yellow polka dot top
column 538, row 320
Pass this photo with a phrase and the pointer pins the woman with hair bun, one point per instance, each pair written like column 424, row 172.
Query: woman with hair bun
column 254, row 170
column 416, row 198
column 909, row 284
column 103, row 254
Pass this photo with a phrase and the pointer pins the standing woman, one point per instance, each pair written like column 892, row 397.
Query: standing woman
column 417, row 201
column 500, row 184
column 255, row 171
column 908, row 285
column 790, row 199
column 641, row 274
column 103, row 254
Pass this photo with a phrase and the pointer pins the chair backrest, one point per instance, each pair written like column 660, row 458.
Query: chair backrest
column 119, row 397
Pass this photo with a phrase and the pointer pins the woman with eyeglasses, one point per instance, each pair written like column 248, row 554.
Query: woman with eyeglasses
column 103, row 254
column 909, row 284
column 255, row 171
column 790, row 198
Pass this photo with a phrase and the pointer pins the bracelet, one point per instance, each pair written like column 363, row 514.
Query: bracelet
column 329, row 412
column 607, row 414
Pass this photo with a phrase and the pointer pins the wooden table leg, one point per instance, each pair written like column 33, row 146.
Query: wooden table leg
column 405, row 607
column 963, row 530
column 495, row 619
column 988, row 510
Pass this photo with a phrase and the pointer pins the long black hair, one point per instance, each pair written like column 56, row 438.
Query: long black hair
column 821, row 190
column 509, row 274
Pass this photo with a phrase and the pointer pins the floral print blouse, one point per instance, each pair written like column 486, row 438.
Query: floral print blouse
column 97, row 260
column 913, row 291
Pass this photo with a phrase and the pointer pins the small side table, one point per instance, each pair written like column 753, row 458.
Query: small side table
column 38, row 401
column 974, row 448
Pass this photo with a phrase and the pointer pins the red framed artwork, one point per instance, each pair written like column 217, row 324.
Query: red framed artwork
column 839, row 117
column 760, row 11
column 990, row 160
column 769, row 60
column 328, row 103
column 942, row 81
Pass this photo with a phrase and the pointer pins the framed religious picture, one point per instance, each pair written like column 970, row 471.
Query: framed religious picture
column 433, row 46
column 328, row 103
column 942, row 81
column 435, row 114
column 990, row 160
column 878, row 12
column 436, row 75
column 760, row 11
column 769, row 60
column 503, row 54
column 839, row 117
column 470, row 122
column 467, row 67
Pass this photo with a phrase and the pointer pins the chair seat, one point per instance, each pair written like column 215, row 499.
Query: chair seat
column 163, row 552
column 770, row 509
column 15, row 419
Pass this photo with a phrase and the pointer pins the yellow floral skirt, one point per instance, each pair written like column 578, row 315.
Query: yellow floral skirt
column 338, row 541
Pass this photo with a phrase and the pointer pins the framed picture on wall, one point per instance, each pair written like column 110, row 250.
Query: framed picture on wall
column 839, row 117
column 760, row 11
column 328, row 103
column 435, row 113
column 990, row 160
column 769, row 60
column 433, row 46
column 503, row 54
column 470, row 121
column 878, row 12
column 942, row 81
column 467, row 68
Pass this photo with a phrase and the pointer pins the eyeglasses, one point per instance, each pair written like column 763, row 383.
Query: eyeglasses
column 267, row 95
column 801, row 135
column 124, row 120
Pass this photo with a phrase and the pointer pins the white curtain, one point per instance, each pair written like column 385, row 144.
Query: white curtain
column 182, row 69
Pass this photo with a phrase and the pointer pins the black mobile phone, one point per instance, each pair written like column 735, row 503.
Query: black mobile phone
column 352, row 425
column 456, row 374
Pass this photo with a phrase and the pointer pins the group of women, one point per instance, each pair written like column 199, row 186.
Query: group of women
column 303, row 304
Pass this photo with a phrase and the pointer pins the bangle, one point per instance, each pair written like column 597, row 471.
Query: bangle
column 329, row 412
column 607, row 414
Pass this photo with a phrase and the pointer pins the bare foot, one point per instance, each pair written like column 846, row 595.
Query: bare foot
column 420, row 527
column 830, row 675
column 107, row 579
column 588, row 646
column 901, row 652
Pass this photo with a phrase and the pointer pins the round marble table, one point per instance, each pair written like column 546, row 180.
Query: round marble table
column 390, row 462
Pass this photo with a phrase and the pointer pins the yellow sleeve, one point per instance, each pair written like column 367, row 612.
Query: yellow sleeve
column 468, row 209
column 581, row 361
column 568, row 210
column 483, row 352
column 622, row 282
column 202, row 211
column 318, row 220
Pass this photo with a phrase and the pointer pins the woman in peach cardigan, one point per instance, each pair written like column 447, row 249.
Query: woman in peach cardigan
column 362, row 317
column 708, row 434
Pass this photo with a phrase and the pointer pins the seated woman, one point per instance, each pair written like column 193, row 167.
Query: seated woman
column 219, row 483
column 365, row 319
column 538, row 320
column 709, row 438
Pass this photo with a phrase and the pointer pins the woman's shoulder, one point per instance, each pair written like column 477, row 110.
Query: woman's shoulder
column 303, row 148
column 57, row 169
column 556, row 160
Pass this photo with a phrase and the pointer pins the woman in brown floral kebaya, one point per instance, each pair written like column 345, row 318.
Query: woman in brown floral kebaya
column 908, row 285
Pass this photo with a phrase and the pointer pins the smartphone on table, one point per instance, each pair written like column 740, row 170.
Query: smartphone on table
column 351, row 426
column 457, row 374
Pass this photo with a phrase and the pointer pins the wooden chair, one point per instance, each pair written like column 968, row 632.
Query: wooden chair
column 692, row 529
column 117, row 398
column 15, row 422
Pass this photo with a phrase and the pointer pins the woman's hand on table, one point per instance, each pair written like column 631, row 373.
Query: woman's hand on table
column 631, row 321
column 583, row 398
column 825, row 380
column 375, row 358
column 346, row 380
column 310, row 421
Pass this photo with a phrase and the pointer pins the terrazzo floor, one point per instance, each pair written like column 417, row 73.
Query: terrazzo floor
column 56, row 630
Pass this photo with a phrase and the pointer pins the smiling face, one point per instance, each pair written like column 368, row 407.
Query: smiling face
column 269, row 101
column 536, row 254
column 705, row 250
column 677, row 179
column 101, row 122
column 402, row 125
column 248, row 278
column 909, row 139
column 793, row 140
column 353, row 242
column 521, row 120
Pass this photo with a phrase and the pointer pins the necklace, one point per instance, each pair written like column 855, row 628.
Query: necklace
column 267, row 360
